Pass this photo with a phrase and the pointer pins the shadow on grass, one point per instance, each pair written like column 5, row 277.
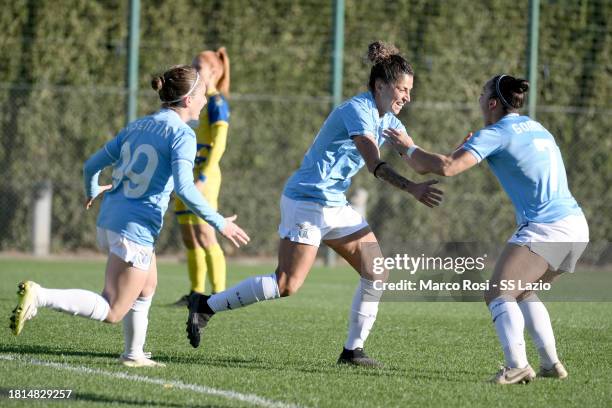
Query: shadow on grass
column 56, row 351
column 330, row 368
column 282, row 367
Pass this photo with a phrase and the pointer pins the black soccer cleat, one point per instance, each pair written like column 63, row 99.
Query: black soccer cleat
column 358, row 357
column 199, row 315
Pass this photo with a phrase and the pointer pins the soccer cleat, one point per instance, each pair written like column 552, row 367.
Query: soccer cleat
column 556, row 371
column 26, row 305
column 507, row 375
column 145, row 361
column 199, row 315
column 358, row 357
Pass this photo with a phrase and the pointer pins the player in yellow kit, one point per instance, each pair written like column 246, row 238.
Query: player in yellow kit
column 204, row 255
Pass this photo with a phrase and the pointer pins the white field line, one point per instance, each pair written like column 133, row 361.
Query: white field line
column 200, row 389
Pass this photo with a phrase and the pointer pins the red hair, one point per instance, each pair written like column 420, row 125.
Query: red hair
column 220, row 60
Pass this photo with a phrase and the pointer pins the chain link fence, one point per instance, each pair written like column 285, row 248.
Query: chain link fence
column 63, row 95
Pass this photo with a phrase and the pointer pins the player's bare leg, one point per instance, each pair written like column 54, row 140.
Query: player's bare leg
column 294, row 262
column 359, row 250
column 123, row 284
column 135, row 324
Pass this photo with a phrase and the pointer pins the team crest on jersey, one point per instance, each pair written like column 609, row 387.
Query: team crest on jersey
column 218, row 100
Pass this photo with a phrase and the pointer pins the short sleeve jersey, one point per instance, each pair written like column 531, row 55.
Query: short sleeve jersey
column 333, row 159
column 143, row 153
column 527, row 162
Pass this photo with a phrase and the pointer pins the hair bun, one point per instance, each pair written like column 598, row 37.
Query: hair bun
column 519, row 85
column 157, row 83
column 378, row 51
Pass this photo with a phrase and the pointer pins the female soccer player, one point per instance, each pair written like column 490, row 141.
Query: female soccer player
column 314, row 207
column 552, row 231
column 204, row 254
column 150, row 157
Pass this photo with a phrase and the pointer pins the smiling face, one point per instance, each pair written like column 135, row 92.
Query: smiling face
column 391, row 97
column 193, row 103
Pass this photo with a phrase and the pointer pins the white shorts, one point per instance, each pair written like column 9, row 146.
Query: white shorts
column 560, row 243
column 138, row 255
column 310, row 223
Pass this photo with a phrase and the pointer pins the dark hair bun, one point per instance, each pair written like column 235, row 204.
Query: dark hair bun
column 378, row 51
column 519, row 85
column 157, row 83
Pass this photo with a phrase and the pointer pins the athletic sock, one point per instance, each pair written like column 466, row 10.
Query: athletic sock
column 215, row 268
column 537, row 321
column 363, row 314
column 135, row 325
column 251, row 290
column 509, row 325
column 75, row 302
column 196, row 265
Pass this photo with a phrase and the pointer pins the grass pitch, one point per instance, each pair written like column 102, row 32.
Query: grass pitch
column 283, row 353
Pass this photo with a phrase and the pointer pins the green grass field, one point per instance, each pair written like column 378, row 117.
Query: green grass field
column 283, row 353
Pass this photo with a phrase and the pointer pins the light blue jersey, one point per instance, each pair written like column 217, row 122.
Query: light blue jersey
column 333, row 158
column 148, row 155
column 528, row 164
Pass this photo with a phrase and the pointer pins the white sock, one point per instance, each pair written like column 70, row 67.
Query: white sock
column 538, row 324
column 135, row 325
column 74, row 301
column 249, row 291
column 363, row 314
column 509, row 325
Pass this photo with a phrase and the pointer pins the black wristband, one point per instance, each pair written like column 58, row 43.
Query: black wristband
column 377, row 167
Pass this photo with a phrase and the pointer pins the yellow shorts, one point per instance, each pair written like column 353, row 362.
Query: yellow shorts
column 210, row 190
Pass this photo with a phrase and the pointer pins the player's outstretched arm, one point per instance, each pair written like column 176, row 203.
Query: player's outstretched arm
column 424, row 162
column 101, row 189
column 234, row 233
column 423, row 192
column 91, row 171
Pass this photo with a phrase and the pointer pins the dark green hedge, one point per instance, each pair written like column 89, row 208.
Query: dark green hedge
column 62, row 93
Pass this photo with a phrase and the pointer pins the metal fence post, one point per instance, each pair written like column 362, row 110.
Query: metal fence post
column 532, row 56
column 337, row 68
column 132, row 60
